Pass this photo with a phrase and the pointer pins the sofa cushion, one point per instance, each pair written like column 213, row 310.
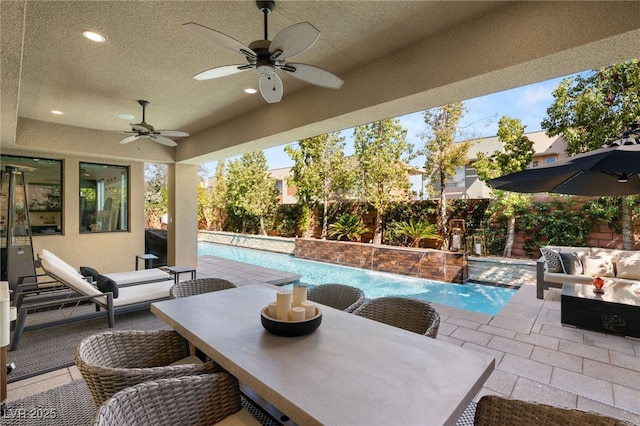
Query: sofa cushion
column 598, row 266
column 571, row 263
column 628, row 265
column 552, row 259
column 106, row 284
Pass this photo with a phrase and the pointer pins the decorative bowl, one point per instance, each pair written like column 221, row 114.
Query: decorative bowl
column 290, row 328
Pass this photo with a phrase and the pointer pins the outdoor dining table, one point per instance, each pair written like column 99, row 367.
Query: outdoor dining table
column 350, row 371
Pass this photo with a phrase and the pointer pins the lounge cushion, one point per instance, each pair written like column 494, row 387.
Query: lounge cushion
column 139, row 277
column 598, row 266
column 86, row 271
column 552, row 259
column 106, row 284
column 628, row 266
column 571, row 263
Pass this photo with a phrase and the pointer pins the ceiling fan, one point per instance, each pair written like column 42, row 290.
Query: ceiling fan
column 145, row 130
column 268, row 56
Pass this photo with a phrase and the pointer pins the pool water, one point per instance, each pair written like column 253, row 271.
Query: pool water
column 471, row 296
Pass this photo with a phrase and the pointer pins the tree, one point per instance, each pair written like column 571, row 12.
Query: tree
column 251, row 191
column 443, row 155
column 155, row 193
column 218, row 197
column 516, row 154
column 594, row 109
column 319, row 173
column 383, row 155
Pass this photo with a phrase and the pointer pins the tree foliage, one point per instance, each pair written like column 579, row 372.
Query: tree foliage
column 443, row 154
column 516, row 154
column 251, row 191
column 155, row 194
column 319, row 174
column 593, row 109
column 383, row 155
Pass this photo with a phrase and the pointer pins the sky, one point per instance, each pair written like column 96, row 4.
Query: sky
column 527, row 103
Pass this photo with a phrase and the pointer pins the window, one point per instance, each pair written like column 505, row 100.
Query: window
column 550, row 160
column 104, row 198
column 43, row 188
column 534, row 163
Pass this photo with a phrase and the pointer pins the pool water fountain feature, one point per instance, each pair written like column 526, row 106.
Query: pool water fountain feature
column 483, row 298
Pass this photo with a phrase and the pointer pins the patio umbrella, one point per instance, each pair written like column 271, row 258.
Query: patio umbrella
column 612, row 171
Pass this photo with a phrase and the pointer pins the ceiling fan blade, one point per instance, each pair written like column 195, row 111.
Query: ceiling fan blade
column 162, row 140
column 313, row 75
column 171, row 133
column 129, row 139
column 222, row 39
column 271, row 87
column 294, row 40
column 221, row 71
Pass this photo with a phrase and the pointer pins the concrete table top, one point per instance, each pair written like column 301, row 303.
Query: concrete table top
column 350, row 371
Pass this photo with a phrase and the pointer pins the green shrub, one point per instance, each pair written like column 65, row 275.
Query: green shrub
column 348, row 226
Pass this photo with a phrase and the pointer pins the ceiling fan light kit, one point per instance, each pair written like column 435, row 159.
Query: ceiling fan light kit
column 268, row 56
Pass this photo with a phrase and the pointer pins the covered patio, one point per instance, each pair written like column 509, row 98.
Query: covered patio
column 395, row 58
column 537, row 358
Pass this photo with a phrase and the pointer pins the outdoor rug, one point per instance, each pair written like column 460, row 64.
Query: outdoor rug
column 52, row 348
column 71, row 405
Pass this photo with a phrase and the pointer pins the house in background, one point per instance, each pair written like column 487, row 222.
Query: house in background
column 466, row 184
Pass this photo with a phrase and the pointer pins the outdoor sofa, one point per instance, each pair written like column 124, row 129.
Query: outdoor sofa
column 70, row 287
column 579, row 265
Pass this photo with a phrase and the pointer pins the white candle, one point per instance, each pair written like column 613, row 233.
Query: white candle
column 273, row 312
column 309, row 309
column 478, row 248
column 297, row 314
column 299, row 295
column 456, row 242
column 283, row 305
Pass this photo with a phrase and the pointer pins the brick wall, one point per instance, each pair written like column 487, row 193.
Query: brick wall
column 420, row 263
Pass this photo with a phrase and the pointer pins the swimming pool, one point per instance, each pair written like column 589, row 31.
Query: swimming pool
column 471, row 296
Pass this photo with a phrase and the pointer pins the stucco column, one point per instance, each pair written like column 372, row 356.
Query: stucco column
column 182, row 244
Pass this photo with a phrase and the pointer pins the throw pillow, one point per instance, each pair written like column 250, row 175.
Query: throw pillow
column 552, row 259
column 571, row 263
column 598, row 266
column 106, row 284
column 628, row 266
column 89, row 272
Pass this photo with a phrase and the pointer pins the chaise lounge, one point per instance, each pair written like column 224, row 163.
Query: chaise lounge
column 120, row 298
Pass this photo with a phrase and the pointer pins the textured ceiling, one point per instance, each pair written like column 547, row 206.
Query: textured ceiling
column 47, row 64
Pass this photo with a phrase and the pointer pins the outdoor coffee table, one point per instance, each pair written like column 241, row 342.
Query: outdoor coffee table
column 616, row 311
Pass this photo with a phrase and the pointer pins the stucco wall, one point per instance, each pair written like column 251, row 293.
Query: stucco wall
column 106, row 252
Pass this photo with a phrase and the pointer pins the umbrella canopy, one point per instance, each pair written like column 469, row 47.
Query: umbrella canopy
column 608, row 171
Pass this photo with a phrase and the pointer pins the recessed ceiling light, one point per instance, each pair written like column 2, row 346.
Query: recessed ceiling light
column 93, row 36
column 250, row 90
column 56, row 112
column 126, row 116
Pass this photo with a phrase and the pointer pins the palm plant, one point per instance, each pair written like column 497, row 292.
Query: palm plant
column 416, row 231
column 348, row 226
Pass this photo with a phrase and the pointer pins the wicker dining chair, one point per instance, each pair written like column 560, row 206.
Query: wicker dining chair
column 493, row 410
column 188, row 400
column 114, row 360
column 339, row 296
column 413, row 315
column 199, row 286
